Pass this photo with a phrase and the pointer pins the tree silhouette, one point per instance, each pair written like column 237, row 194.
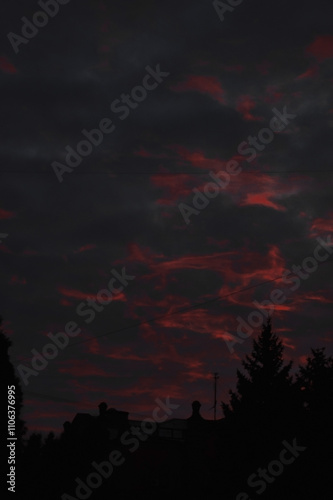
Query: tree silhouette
column 261, row 413
column 261, row 391
column 8, row 378
column 315, row 381
column 264, row 409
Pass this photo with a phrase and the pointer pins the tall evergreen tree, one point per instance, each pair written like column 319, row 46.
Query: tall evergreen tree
column 315, row 381
column 263, row 391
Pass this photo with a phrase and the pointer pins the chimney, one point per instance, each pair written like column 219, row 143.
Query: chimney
column 196, row 410
column 102, row 409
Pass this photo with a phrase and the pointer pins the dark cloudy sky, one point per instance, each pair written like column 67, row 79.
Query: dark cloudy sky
column 120, row 206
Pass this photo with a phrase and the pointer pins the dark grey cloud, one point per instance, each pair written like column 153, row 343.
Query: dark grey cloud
column 64, row 80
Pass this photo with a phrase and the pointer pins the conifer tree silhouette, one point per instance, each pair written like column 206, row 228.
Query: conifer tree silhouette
column 265, row 391
column 315, row 381
column 315, row 384
column 8, row 378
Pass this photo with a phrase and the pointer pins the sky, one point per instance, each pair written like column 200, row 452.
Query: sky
column 200, row 85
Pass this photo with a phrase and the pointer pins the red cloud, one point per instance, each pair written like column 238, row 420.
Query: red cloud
column 77, row 294
column 320, row 296
column 6, row 66
column 81, row 368
column 264, row 67
column 198, row 158
column 84, row 248
column 321, row 48
column 244, row 106
column 220, row 262
column 29, row 252
column 174, row 185
column 205, row 84
column 239, row 272
column 4, row 249
column 129, row 356
column 287, row 342
column 15, row 280
column 262, row 189
column 65, row 303
column 199, row 321
column 262, row 199
column 309, row 73
column 143, row 153
column 273, row 95
column 320, row 226
column 137, row 254
column 6, row 214
column 180, row 186
column 246, row 188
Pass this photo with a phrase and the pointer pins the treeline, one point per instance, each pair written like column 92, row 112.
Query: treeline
column 275, row 441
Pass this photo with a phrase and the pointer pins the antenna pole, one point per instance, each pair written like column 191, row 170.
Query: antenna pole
column 216, row 376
